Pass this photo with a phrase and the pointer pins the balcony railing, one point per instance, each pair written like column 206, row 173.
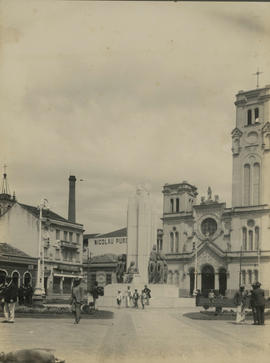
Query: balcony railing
column 67, row 244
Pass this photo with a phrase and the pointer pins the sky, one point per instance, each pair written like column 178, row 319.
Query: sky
column 122, row 94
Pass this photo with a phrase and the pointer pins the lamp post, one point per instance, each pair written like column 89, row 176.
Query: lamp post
column 39, row 288
column 195, row 270
column 240, row 266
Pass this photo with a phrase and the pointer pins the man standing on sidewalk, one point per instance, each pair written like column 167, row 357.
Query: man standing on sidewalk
column 10, row 297
column 259, row 303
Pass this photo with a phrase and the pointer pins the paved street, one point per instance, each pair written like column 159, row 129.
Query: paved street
column 152, row 335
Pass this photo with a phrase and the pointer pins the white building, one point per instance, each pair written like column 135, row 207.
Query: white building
column 62, row 240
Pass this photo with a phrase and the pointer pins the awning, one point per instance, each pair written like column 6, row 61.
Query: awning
column 67, row 275
column 69, row 268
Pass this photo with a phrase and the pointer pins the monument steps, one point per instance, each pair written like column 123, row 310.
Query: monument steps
column 162, row 296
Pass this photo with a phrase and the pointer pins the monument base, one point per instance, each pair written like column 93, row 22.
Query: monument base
column 162, row 295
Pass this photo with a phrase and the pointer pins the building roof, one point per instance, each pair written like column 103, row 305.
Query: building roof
column 91, row 235
column 6, row 249
column 118, row 233
column 107, row 258
column 46, row 213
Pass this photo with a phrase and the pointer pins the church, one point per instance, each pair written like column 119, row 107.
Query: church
column 209, row 246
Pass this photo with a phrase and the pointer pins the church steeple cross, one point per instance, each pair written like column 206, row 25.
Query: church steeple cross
column 258, row 75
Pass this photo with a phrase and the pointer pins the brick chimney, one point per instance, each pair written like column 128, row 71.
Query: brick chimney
column 71, row 199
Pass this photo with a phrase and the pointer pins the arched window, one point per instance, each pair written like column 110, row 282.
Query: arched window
column 256, row 114
column 16, row 277
column 172, row 207
column 244, row 238
column 27, row 278
column 257, row 238
column 3, row 275
column 249, row 117
column 177, row 204
column 250, row 240
column 246, row 184
column 176, row 242
column 171, row 241
column 256, row 184
column 249, row 276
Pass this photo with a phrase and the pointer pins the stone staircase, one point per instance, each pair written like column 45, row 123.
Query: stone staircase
column 162, row 296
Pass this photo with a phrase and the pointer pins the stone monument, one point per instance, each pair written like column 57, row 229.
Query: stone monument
column 142, row 233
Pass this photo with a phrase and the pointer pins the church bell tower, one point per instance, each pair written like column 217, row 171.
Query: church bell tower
column 251, row 148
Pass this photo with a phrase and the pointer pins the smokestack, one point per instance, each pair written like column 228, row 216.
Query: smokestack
column 71, row 199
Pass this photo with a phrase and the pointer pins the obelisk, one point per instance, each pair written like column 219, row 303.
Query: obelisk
column 141, row 230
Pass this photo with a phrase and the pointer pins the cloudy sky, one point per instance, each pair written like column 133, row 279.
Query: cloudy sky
column 121, row 94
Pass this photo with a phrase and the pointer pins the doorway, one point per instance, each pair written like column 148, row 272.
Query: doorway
column 208, row 279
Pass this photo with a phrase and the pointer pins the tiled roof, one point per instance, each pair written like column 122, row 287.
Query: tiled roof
column 119, row 233
column 104, row 258
column 46, row 213
column 6, row 249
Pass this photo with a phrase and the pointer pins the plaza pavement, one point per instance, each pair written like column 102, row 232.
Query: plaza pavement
column 152, row 335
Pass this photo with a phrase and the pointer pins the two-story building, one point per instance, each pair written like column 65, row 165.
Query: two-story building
column 61, row 239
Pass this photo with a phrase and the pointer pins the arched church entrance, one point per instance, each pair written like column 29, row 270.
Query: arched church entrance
column 191, row 281
column 222, row 276
column 208, row 279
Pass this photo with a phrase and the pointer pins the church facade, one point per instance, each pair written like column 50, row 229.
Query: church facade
column 209, row 246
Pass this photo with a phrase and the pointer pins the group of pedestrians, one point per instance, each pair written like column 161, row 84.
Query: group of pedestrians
column 8, row 299
column 131, row 299
column 254, row 300
column 25, row 294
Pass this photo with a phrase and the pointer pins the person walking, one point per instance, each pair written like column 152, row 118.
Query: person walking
column 147, row 292
column 239, row 303
column 252, row 304
column 10, row 298
column 77, row 296
column 259, row 302
column 211, row 297
column 119, row 299
column 128, row 297
column 143, row 298
column 136, row 298
column 95, row 294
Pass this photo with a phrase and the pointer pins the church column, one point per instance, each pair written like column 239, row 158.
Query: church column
column 216, row 281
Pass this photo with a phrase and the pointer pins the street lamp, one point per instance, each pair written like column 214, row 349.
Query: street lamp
column 196, row 269
column 39, row 288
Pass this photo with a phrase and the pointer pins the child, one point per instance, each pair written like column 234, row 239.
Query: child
column 119, row 299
